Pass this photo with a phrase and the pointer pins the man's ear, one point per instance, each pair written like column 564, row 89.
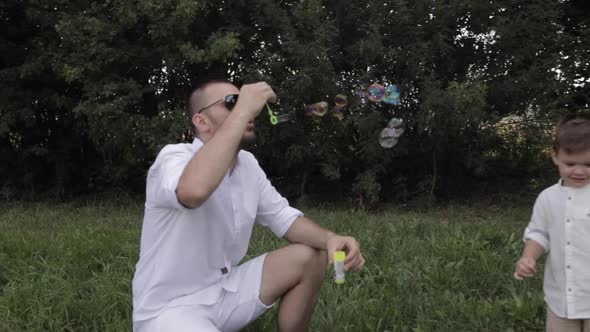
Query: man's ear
column 200, row 122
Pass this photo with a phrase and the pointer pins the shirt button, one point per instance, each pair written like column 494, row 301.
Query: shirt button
column 568, row 243
column 569, row 289
column 569, row 198
column 569, row 267
column 567, row 220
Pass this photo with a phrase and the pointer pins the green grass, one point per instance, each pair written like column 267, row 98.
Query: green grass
column 69, row 268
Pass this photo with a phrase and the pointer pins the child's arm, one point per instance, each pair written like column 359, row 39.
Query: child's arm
column 527, row 264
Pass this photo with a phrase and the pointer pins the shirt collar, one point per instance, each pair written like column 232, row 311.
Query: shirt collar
column 572, row 190
column 197, row 142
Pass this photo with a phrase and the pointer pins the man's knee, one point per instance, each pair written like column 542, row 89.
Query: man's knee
column 290, row 266
column 312, row 261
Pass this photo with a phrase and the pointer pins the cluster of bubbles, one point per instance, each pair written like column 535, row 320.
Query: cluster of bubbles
column 389, row 136
column 379, row 93
column 376, row 93
column 322, row 108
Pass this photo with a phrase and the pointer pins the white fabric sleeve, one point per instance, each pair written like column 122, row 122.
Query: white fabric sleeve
column 274, row 211
column 164, row 175
column 538, row 227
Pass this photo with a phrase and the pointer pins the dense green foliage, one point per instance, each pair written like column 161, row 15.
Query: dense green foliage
column 90, row 91
column 69, row 268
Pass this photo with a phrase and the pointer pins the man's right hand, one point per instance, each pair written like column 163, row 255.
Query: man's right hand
column 525, row 268
column 253, row 97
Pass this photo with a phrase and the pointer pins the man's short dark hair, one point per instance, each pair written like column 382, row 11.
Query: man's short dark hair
column 193, row 104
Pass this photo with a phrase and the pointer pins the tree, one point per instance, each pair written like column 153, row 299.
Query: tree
column 91, row 91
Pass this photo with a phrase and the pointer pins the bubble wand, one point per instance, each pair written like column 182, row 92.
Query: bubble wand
column 274, row 119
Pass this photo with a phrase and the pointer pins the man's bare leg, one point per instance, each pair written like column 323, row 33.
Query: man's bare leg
column 295, row 274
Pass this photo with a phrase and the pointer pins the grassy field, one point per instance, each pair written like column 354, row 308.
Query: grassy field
column 69, row 268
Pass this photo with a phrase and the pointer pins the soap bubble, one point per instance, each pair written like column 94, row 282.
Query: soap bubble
column 337, row 113
column 318, row 109
column 386, row 140
column 375, row 92
column 395, row 123
column 340, row 100
column 391, row 95
column 389, row 136
column 283, row 117
column 397, row 127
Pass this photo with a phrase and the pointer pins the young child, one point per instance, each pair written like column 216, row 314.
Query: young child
column 560, row 227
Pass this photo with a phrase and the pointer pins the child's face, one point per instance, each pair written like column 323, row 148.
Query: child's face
column 574, row 168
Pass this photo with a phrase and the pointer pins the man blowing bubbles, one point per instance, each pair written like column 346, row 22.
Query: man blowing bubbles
column 202, row 200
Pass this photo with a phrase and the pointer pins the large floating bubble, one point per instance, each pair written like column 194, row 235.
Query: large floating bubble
column 318, row 109
column 395, row 123
column 340, row 100
column 375, row 92
column 391, row 95
column 397, row 127
column 337, row 113
column 386, row 140
column 389, row 136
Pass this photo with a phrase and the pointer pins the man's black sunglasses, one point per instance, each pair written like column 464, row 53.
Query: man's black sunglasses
column 230, row 102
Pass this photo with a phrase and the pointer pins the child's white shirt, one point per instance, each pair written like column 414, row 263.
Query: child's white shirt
column 561, row 224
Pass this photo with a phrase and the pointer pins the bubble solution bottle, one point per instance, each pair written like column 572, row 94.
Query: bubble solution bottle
column 339, row 257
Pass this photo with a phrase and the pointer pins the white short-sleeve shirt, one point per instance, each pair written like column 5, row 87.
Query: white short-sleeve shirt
column 561, row 224
column 186, row 255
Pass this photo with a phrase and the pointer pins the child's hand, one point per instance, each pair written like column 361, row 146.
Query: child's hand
column 525, row 268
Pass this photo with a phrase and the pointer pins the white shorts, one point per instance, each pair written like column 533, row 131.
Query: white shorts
column 232, row 312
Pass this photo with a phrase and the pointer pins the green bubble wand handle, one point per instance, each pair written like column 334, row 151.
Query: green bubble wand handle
column 272, row 117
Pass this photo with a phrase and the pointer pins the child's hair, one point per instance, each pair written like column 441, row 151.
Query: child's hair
column 573, row 133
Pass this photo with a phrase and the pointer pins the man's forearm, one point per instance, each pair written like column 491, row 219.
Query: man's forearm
column 209, row 165
column 305, row 231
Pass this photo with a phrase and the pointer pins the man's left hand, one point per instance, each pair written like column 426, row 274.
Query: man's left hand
column 354, row 258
